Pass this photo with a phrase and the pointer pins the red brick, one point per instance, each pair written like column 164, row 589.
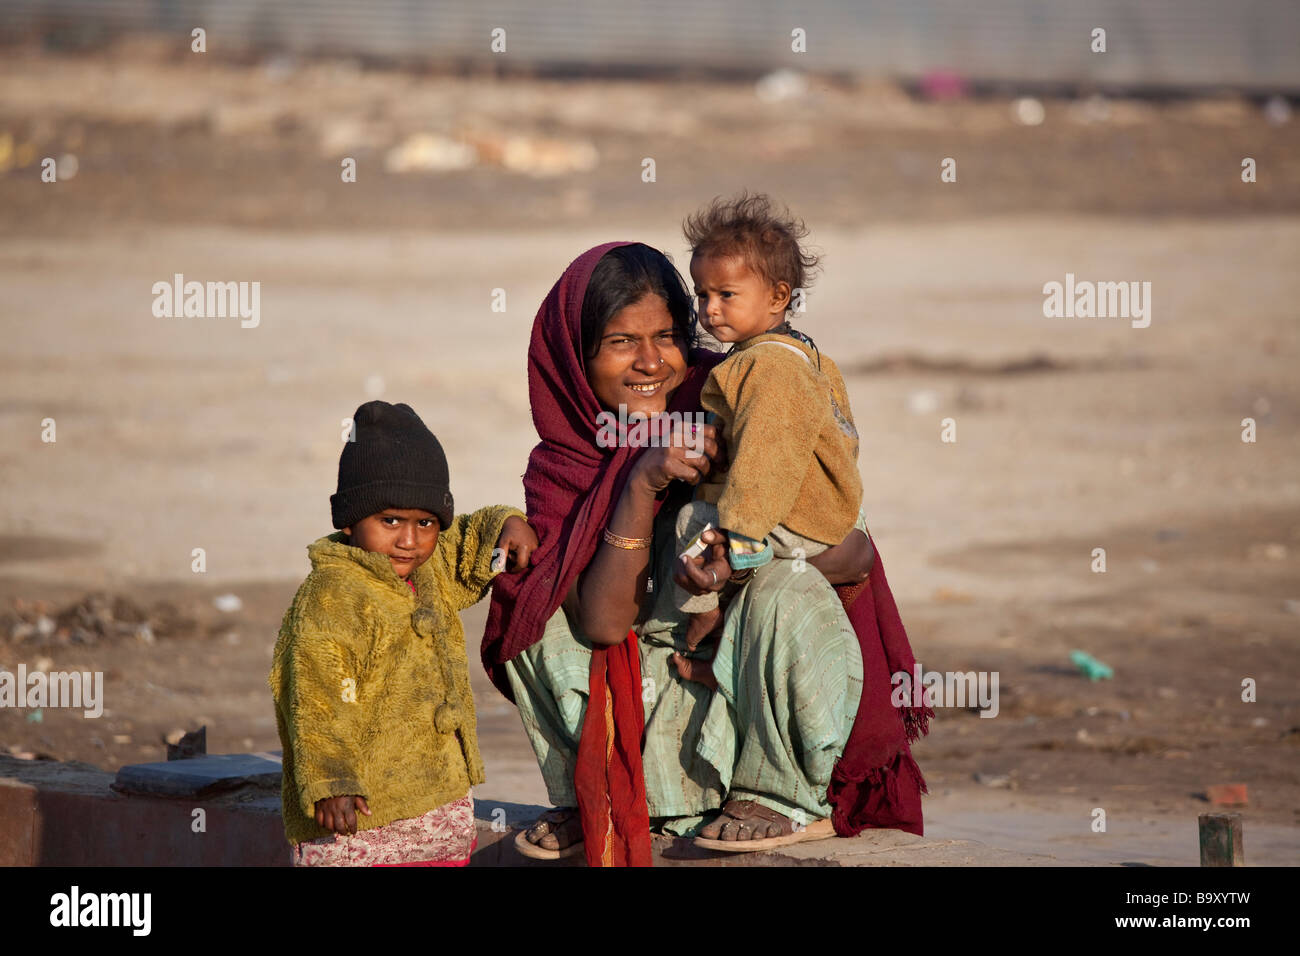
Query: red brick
column 1227, row 794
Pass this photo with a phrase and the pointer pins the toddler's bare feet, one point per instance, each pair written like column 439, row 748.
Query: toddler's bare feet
column 701, row 625
column 696, row 670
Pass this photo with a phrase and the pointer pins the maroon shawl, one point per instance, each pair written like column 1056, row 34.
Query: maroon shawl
column 876, row 783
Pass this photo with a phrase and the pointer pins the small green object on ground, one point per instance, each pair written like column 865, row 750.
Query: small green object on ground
column 1090, row 667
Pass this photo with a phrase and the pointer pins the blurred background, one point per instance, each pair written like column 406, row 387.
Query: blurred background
column 492, row 143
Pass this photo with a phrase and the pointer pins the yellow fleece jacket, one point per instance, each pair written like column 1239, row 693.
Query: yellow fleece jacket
column 791, row 438
column 371, row 681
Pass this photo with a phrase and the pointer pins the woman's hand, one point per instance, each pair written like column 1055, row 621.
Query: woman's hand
column 691, row 453
column 848, row 562
column 610, row 590
column 517, row 538
column 339, row 813
column 708, row 572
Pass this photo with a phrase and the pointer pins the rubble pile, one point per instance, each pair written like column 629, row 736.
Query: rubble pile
column 96, row 618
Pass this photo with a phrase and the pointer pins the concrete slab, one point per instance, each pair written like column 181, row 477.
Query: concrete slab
column 500, row 822
column 201, row 776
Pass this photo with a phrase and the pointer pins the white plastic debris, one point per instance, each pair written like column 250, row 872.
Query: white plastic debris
column 924, row 401
column 780, row 86
column 1277, row 111
column 227, row 603
column 1028, row 111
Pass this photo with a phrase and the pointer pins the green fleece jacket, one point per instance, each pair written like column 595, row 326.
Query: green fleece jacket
column 371, row 681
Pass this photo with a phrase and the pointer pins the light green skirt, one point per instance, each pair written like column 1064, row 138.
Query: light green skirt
column 789, row 674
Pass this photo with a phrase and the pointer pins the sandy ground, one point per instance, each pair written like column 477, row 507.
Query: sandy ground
column 1072, row 434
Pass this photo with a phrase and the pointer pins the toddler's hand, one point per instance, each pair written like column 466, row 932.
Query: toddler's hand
column 517, row 538
column 338, row 813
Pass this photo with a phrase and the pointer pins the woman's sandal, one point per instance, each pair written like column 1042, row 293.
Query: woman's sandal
column 550, row 822
column 740, row 811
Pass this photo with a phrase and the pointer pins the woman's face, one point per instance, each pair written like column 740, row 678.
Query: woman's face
column 642, row 359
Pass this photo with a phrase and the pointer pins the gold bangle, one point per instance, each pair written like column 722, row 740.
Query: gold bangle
column 627, row 544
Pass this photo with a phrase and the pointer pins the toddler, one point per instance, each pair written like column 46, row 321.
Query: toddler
column 370, row 676
column 792, row 488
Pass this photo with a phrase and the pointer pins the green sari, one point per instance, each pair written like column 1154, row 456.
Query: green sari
column 789, row 672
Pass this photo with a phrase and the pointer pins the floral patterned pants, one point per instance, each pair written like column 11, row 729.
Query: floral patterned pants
column 442, row 837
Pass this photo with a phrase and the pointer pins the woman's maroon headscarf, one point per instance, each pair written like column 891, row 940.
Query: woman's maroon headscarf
column 571, row 487
column 570, row 490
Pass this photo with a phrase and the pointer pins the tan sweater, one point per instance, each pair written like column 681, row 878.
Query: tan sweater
column 792, row 442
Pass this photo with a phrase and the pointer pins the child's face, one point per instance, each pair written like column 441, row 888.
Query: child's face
column 735, row 302
column 407, row 535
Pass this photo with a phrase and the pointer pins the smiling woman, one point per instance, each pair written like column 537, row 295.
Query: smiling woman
column 632, row 725
column 637, row 329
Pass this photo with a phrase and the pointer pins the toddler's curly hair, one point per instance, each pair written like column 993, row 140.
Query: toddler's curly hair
column 750, row 227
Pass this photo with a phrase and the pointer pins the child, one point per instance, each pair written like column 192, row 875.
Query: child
column 370, row 677
column 792, row 488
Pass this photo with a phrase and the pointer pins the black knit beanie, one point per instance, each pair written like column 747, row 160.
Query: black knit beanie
column 395, row 462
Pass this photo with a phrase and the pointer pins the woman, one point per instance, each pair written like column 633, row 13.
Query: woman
column 776, row 731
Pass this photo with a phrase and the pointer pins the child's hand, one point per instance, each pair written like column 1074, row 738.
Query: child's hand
column 338, row 813
column 517, row 538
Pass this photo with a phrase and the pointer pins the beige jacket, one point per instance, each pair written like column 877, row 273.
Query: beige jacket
column 791, row 438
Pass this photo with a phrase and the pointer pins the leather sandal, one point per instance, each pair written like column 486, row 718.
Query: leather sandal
column 741, row 811
column 549, row 822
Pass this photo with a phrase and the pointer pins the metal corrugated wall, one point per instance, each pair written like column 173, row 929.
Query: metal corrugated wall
column 1246, row 44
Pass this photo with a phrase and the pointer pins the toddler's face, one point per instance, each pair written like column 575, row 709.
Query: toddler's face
column 734, row 302
column 406, row 535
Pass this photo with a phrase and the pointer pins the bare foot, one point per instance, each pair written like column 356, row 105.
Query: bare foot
column 556, row 829
column 701, row 625
column 699, row 671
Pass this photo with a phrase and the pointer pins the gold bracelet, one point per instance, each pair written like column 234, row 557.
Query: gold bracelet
column 627, row 544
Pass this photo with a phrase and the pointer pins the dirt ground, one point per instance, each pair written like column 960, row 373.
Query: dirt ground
column 1072, row 434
